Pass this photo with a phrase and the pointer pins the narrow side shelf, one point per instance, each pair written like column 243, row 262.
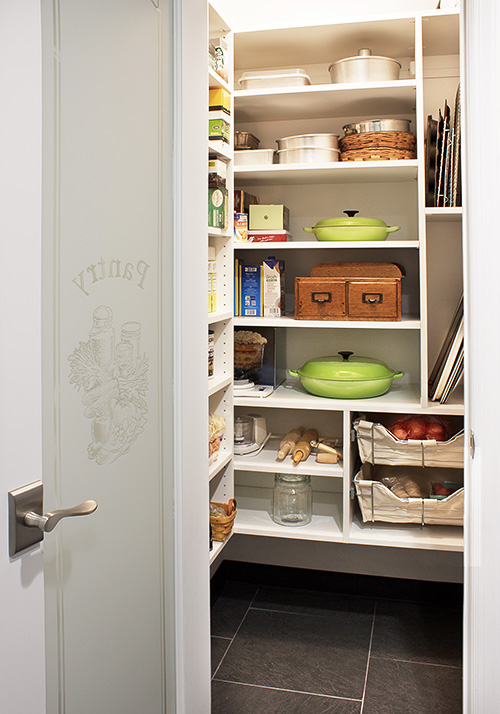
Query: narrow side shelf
column 223, row 460
column 217, row 383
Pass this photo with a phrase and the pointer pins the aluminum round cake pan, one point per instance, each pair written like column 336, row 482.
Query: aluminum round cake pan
column 308, row 156
column 309, row 141
column 370, row 125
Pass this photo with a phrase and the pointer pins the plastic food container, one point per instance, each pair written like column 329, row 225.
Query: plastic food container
column 274, row 78
column 364, row 67
column 309, row 141
column 312, row 155
column 253, row 157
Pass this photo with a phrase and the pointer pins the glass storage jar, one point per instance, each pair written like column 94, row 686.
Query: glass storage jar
column 292, row 499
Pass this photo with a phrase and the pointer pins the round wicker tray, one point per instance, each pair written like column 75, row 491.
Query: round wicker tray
column 376, row 155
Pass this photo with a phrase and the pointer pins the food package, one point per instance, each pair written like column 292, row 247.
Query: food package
column 217, row 207
column 216, row 428
column 241, row 227
column 219, row 99
column 273, row 288
column 251, row 290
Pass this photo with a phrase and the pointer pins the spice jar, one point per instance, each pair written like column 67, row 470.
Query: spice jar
column 292, row 500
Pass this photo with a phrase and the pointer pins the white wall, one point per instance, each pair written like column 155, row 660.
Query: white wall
column 22, row 675
column 242, row 15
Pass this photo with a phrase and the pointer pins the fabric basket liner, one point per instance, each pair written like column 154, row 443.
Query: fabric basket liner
column 378, row 446
column 379, row 503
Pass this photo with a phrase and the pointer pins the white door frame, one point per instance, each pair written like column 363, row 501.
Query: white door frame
column 481, row 84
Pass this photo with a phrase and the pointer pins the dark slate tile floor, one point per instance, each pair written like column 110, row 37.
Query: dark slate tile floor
column 277, row 650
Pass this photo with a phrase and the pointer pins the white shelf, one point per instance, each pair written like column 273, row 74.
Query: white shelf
column 217, row 548
column 334, row 172
column 438, row 215
column 265, row 462
column 328, row 245
column 219, row 233
column 217, row 383
column 326, row 100
column 215, row 81
column 220, row 148
column 410, row 535
column 222, row 461
column 400, row 398
column 253, row 517
column 408, row 322
column 217, row 316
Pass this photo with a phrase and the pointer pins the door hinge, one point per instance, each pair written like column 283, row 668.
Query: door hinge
column 472, row 445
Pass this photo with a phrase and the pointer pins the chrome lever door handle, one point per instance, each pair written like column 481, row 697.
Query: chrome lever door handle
column 49, row 521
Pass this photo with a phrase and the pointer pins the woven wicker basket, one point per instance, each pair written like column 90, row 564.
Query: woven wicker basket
column 376, row 155
column 222, row 525
column 377, row 146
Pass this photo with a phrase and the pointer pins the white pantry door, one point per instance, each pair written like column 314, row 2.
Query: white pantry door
column 107, row 428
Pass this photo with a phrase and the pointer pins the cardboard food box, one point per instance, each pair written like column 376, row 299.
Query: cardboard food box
column 273, row 278
column 243, row 200
column 269, row 217
column 260, row 355
column 269, row 236
column 251, row 290
column 219, row 99
column 218, row 128
column 217, row 207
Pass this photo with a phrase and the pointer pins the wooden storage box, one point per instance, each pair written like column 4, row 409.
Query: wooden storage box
column 350, row 291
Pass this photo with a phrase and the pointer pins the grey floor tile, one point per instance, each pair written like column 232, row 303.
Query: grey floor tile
column 310, row 601
column 218, row 646
column 301, row 652
column 418, row 633
column 229, row 698
column 230, row 608
column 411, row 688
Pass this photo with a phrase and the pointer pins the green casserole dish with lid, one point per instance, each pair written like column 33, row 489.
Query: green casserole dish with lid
column 346, row 376
column 355, row 228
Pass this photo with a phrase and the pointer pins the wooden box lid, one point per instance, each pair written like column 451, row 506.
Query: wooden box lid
column 357, row 270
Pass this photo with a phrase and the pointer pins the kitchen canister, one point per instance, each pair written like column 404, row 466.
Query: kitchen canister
column 211, row 346
column 292, row 500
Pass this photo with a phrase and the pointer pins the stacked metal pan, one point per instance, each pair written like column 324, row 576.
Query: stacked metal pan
column 308, row 149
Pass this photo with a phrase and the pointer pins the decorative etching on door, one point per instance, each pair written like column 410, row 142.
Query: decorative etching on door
column 114, row 380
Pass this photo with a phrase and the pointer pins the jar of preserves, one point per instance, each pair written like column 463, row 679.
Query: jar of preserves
column 292, row 500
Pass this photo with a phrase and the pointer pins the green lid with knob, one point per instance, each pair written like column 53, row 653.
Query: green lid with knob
column 346, row 366
column 351, row 220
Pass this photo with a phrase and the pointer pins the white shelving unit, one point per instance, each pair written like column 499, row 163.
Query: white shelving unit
column 220, row 472
column 428, row 246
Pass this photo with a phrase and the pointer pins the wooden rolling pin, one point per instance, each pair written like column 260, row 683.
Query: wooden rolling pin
column 303, row 448
column 289, row 442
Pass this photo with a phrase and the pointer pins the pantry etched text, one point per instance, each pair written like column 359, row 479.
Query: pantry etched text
column 112, row 269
